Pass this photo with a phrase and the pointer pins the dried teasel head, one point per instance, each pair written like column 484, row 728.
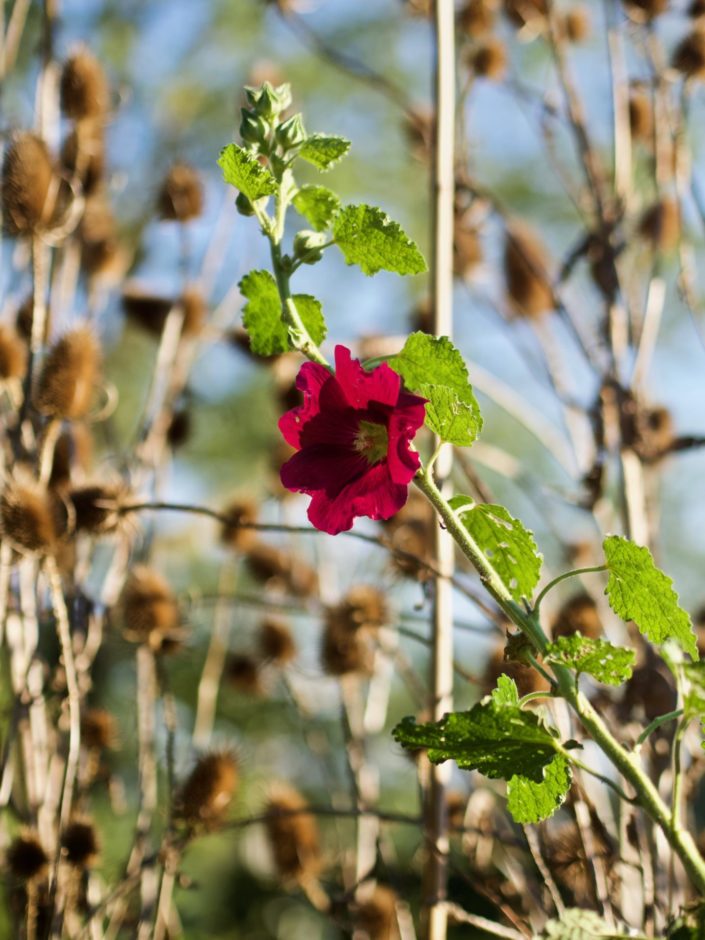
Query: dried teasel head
column 489, row 60
column 579, row 614
column 275, row 642
column 292, row 834
column 376, row 915
column 68, row 377
column 238, row 515
column 181, row 195
column 526, row 272
column 660, row 225
column 644, row 11
column 180, row 428
column 277, row 567
column 242, row 672
column 83, row 87
column 150, row 613
column 476, row 17
column 13, row 354
column 362, row 607
column 29, row 185
column 640, row 115
column 98, row 729
column 83, row 156
column 575, row 25
column 32, row 519
column 345, row 651
column 655, row 432
column 147, row 310
column 206, row 794
column 410, row 533
column 79, row 843
column 689, row 55
column 696, row 9
column 96, row 508
column 102, row 255
column 25, row 857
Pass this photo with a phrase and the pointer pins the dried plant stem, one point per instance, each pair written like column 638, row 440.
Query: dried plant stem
column 13, row 35
column 213, row 667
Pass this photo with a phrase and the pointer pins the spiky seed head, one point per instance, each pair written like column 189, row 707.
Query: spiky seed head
column 363, row 606
column 97, row 508
column 181, row 195
column 275, row 566
column 689, row 55
column 476, row 17
column 79, row 843
column 377, row 914
column 13, row 353
column 29, row 185
column 660, row 225
column 98, row 729
column 150, row 612
column 25, row 857
column 30, row 516
column 83, row 87
column 242, row 672
column 68, row 377
column 411, row 531
column 239, row 513
column 147, row 310
column 180, row 428
column 275, row 641
column 640, row 115
column 576, row 24
column 490, row 59
column 526, row 272
column 207, row 792
column 344, row 651
column 579, row 614
column 102, row 255
column 292, row 834
column 696, row 9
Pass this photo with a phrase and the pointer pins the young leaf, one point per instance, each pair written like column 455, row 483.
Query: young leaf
column 598, row 658
column 577, row 924
column 262, row 315
column 317, row 204
column 510, row 547
column 369, row 238
column 530, row 802
column 434, row 368
column 493, row 738
column 694, row 698
column 637, row 590
column 506, row 692
column 242, row 170
column 324, row 151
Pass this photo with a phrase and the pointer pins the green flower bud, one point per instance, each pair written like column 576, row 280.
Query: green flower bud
column 243, row 205
column 269, row 102
column 253, row 128
column 291, row 133
column 308, row 246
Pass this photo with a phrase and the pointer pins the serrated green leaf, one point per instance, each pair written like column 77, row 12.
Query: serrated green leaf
column 317, row 204
column 242, row 170
column 434, row 368
column 694, row 697
column 598, row 658
column 323, row 150
column 492, row 738
column 369, row 238
column 510, row 547
column 530, row 802
column 506, row 692
column 637, row 590
column 262, row 318
column 576, row 924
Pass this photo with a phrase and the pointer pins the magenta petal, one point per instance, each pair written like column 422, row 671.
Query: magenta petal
column 324, row 467
column 361, row 387
column 372, row 495
column 311, row 379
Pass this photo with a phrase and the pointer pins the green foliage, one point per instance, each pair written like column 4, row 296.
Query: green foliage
column 530, row 802
column 324, row 151
column 576, row 924
column 509, row 547
column 242, row 170
column 318, row 205
column 262, row 315
column 369, row 238
column 637, row 590
column 506, row 692
column 434, row 368
column 598, row 658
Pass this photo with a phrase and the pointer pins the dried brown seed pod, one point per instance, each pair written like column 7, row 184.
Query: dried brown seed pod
column 275, row 641
column 150, row 612
column 292, row 834
column 79, row 843
column 181, row 195
column 476, row 17
column 576, row 25
column 655, row 432
column 526, row 272
column 101, row 253
column 83, row 156
column 207, row 792
column 243, row 673
column 489, row 60
column 526, row 12
column 410, row 532
column 578, row 615
column 147, row 310
column 345, row 651
column 645, row 10
column 278, row 567
column 96, row 507
column 30, row 516
column 640, row 115
column 234, row 533
column 25, row 857
column 660, row 225
column 689, row 55
column 68, row 377
column 362, row 607
column 696, row 9
column 29, row 185
column 98, row 729
column 13, row 353
column 84, row 87
column 377, row 914
column 526, row 677
column 180, row 428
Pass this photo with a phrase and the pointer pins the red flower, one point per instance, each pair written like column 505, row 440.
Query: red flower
column 352, row 434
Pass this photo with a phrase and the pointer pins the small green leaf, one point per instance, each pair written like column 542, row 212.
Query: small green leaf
column 577, row 924
column 262, row 315
column 530, row 802
column 492, row 737
column 317, row 204
column 324, row 151
column 434, row 368
column 506, row 692
column 598, row 658
column 637, row 590
column 509, row 547
column 369, row 238
column 694, row 697
column 242, row 170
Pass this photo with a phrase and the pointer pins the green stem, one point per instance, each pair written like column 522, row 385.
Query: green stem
column 563, row 577
column 598, row 776
column 653, row 725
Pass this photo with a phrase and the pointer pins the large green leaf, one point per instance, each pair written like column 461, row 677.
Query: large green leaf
column 369, row 238
column 598, row 658
column 434, row 368
column 261, row 315
column 242, row 170
column 530, row 802
column 637, row 590
column 576, row 924
column 317, row 204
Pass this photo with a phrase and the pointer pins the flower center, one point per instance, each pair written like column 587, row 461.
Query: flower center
column 371, row 441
